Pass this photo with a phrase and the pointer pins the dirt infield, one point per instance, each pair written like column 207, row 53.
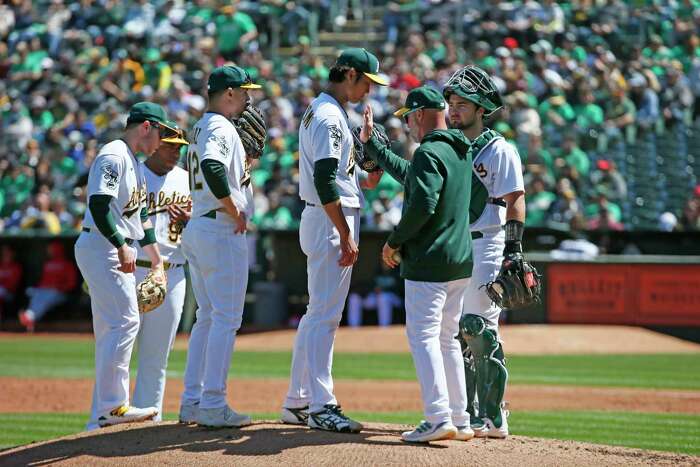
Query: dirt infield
column 268, row 443
column 266, row 395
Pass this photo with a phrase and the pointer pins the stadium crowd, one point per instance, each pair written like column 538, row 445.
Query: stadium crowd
column 583, row 80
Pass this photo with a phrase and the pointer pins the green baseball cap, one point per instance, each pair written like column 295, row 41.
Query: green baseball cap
column 364, row 62
column 423, row 97
column 230, row 76
column 147, row 111
column 178, row 137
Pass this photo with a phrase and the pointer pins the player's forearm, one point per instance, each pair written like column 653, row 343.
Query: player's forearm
column 334, row 211
column 230, row 207
column 153, row 253
column 390, row 162
column 324, row 180
column 515, row 206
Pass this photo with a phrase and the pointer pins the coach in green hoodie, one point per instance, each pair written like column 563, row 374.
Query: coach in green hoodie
column 435, row 245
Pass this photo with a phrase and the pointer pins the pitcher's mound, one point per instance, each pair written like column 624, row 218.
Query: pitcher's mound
column 270, row 443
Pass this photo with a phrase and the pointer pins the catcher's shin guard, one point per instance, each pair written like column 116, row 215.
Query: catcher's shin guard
column 489, row 362
column 469, row 378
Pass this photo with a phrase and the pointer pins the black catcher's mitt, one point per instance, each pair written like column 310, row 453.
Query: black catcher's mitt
column 252, row 130
column 517, row 284
column 363, row 160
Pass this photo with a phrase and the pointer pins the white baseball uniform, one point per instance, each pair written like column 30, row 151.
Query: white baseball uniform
column 497, row 166
column 115, row 315
column 218, row 261
column 158, row 327
column 324, row 133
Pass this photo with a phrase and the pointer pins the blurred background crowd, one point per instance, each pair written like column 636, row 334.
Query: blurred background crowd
column 603, row 97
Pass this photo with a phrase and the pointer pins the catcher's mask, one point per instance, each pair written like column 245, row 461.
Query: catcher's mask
column 474, row 84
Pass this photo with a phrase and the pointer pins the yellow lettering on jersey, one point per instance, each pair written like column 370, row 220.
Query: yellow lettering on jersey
column 134, row 202
column 155, row 204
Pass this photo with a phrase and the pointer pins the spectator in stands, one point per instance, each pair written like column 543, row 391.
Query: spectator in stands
column 646, row 100
column 58, row 278
column 619, row 114
column 39, row 216
column 384, row 297
column 610, row 180
column 572, row 156
column 676, row 97
column 234, row 30
column 10, row 277
column 539, row 201
column 603, row 214
column 691, row 215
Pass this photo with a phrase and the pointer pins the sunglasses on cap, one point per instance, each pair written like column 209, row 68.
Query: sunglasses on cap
column 164, row 131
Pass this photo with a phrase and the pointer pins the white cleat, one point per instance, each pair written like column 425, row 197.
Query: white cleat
column 478, row 426
column 126, row 414
column 295, row 416
column 501, row 432
column 426, row 432
column 221, row 417
column 464, row 433
column 188, row 413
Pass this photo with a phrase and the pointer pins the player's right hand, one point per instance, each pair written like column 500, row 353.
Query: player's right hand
column 367, row 125
column 349, row 251
column 241, row 222
column 127, row 258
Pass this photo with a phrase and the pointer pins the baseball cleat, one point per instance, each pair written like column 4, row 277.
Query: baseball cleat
column 478, row 426
column 188, row 413
column 126, row 414
column 295, row 416
column 332, row 418
column 426, row 432
column 500, row 432
column 221, row 417
column 464, row 433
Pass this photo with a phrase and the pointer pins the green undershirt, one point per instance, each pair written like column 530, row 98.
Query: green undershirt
column 324, row 180
column 104, row 220
column 215, row 176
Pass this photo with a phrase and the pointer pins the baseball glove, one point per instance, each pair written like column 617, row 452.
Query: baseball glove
column 252, row 130
column 363, row 160
column 150, row 292
column 517, row 284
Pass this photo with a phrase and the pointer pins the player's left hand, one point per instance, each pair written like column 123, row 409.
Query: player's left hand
column 158, row 273
column 367, row 124
column 179, row 213
column 390, row 256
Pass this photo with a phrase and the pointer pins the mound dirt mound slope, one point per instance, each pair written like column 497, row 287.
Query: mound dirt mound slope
column 267, row 443
column 266, row 395
column 518, row 340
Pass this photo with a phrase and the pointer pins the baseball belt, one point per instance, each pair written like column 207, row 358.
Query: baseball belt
column 128, row 241
column 166, row 265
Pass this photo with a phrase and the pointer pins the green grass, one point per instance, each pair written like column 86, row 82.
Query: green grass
column 62, row 358
column 663, row 432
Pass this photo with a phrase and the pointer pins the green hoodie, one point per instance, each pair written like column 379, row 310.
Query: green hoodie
column 433, row 235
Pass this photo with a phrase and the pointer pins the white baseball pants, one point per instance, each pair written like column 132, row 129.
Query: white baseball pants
column 311, row 382
column 155, row 339
column 115, row 321
column 218, row 260
column 433, row 310
column 487, row 253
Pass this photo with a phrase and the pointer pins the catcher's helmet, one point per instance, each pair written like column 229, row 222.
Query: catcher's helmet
column 476, row 85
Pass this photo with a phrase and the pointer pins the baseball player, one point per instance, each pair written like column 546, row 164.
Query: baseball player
column 328, row 234
column 215, row 246
column 116, row 216
column 168, row 200
column 433, row 237
column 497, row 199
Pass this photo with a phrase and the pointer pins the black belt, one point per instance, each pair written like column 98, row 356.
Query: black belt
column 477, row 235
column 498, row 202
column 166, row 265
column 310, row 204
column 128, row 241
column 211, row 214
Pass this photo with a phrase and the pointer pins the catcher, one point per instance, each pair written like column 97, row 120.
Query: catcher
column 501, row 278
column 160, row 304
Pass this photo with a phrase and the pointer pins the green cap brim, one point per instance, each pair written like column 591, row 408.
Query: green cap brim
column 250, row 86
column 377, row 79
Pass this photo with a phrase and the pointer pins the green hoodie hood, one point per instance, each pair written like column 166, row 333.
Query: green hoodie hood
column 454, row 138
